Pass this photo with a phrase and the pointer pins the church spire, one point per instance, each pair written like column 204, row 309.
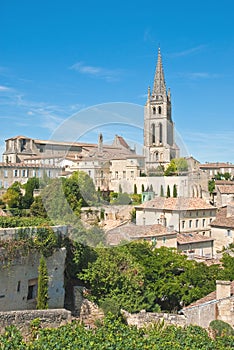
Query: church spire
column 159, row 81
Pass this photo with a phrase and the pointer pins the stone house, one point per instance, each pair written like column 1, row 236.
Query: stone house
column 19, row 281
column 224, row 193
column 218, row 305
column 21, row 172
column 158, row 235
column 195, row 245
column 213, row 169
column 222, row 228
column 184, row 215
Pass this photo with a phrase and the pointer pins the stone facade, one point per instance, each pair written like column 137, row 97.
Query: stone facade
column 218, row 305
column 21, row 172
column 144, row 318
column 52, row 318
column 159, row 143
column 19, row 282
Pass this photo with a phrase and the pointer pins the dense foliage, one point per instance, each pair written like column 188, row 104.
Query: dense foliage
column 16, row 221
column 135, row 276
column 113, row 334
column 42, row 294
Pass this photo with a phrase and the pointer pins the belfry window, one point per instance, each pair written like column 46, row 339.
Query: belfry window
column 154, row 110
column 153, row 133
column 159, row 110
column 160, row 132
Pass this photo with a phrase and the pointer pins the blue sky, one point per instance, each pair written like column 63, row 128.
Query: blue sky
column 60, row 57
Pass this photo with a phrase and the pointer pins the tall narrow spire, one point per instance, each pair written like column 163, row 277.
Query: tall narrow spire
column 159, row 81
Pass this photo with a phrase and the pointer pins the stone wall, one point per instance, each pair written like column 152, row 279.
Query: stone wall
column 145, row 318
column 48, row 318
column 201, row 315
column 18, row 282
column 12, row 232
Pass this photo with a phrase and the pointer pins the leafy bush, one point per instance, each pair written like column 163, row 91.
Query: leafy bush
column 221, row 328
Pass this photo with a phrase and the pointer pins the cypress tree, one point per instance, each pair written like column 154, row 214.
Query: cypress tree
column 42, row 294
column 168, row 191
column 174, row 191
column 161, row 191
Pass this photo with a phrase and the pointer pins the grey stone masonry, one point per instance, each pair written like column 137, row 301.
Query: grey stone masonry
column 48, row 318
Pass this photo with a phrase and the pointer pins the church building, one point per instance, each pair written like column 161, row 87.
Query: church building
column 159, row 139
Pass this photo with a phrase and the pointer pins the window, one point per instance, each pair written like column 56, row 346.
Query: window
column 32, row 289
column 164, row 239
column 89, row 172
column 23, row 172
column 229, row 233
column 15, row 173
column 5, row 173
column 132, row 174
column 197, row 222
column 124, row 174
column 154, row 110
column 203, row 222
column 116, row 175
column 153, row 133
column 160, row 133
column 143, row 221
column 190, row 223
column 18, row 286
column 183, row 224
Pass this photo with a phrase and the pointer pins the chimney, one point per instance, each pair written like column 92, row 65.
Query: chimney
column 223, row 289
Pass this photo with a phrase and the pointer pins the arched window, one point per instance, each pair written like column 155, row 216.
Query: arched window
column 156, row 156
column 159, row 109
column 153, row 133
column 154, row 110
column 160, row 132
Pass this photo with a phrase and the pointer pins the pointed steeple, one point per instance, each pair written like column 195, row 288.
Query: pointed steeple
column 159, row 81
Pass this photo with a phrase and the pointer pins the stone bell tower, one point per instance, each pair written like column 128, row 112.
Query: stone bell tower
column 159, row 143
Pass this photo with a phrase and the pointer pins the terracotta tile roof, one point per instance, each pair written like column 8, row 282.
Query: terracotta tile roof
column 193, row 237
column 224, row 182
column 29, row 165
column 222, row 220
column 180, row 203
column 217, row 165
column 208, row 298
column 131, row 231
column 225, row 189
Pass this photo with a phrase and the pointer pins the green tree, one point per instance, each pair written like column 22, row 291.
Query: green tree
column 168, row 191
column 171, row 169
column 135, row 189
column 211, row 186
column 37, row 208
column 13, row 196
column 175, row 191
column 161, row 191
column 42, row 294
column 181, row 164
column 30, row 186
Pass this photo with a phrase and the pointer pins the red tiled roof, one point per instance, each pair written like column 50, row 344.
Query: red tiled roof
column 180, row 203
column 222, row 220
column 216, row 165
column 193, row 237
column 208, row 298
column 225, row 189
